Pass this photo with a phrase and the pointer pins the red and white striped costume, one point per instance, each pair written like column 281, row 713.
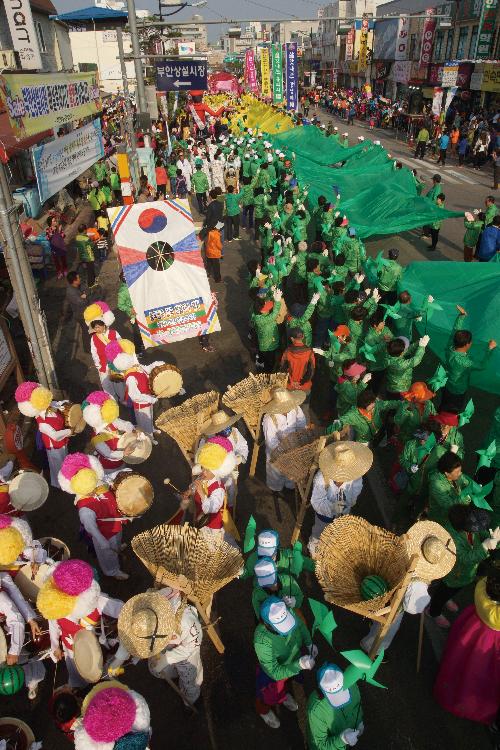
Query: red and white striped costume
column 55, row 437
column 106, row 535
column 105, row 443
column 98, row 342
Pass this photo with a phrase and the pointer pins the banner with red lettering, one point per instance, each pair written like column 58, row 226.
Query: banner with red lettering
column 427, row 38
column 251, row 71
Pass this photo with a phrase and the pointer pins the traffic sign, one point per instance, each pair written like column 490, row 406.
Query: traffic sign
column 176, row 75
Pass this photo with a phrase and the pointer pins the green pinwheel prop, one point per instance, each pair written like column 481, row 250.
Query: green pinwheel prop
column 370, row 271
column 477, row 493
column 368, row 352
column 426, row 448
column 334, row 342
column 249, row 540
column 429, row 307
column 438, row 380
column 362, row 668
column 324, row 621
column 380, row 261
column 486, row 455
column 465, row 416
column 392, row 311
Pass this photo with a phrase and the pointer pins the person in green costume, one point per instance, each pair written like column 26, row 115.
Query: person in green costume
column 445, row 487
column 473, row 227
column 373, row 347
column 414, row 410
column 436, row 189
column 357, row 325
column 289, row 560
column 491, row 210
column 299, row 318
column 353, row 250
column 270, row 582
column 474, row 538
column 284, row 648
column 400, row 361
column 408, row 314
column 459, row 364
column 334, row 716
column 389, row 275
column 350, row 384
column 341, row 349
column 366, row 419
column 266, row 329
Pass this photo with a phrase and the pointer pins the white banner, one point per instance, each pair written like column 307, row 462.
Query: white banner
column 59, row 162
column 151, row 102
column 401, row 71
column 402, row 38
column 437, row 101
column 22, row 31
column 164, row 271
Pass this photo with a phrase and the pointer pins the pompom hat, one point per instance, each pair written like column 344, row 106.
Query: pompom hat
column 32, row 398
column 69, row 590
column 15, row 535
column 98, row 311
column 80, row 474
column 121, row 354
column 99, row 409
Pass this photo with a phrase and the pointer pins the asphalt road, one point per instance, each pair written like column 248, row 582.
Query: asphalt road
column 402, row 717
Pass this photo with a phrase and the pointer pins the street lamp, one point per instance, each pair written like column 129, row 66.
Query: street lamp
column 178, row 6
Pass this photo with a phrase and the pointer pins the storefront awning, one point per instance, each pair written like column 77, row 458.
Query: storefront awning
column 10, row 146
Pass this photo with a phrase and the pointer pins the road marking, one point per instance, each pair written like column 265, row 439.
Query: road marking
column 463, row 177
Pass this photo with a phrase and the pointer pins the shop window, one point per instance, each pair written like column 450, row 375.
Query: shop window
column 473, row 42
column 40, row 37
column 438, row 46
column 462, row 41
column 449, row 45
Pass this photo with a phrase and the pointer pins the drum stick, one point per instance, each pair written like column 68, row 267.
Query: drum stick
column 167, row 481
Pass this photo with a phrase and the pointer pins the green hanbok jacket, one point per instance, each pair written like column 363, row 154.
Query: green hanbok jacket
column 325, row 723
column 279, row 655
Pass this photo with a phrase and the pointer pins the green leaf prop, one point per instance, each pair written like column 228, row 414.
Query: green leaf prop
column 487, row 455
column 334, row 342
column 249, row 540
column 335, row 426
column 465, row 416
column 392, row 311
column 324, row 621
column 297, row 559
column 368, row 352
column 380, row 261
column 429, row 308
column 439, row 379
column 426, row 448
column 362, row 668
column 477, row 493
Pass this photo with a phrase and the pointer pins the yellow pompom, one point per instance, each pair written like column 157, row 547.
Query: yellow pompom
column 109, row 411
column 92, row 312
column 53, row 603
column 41, row 398
column 84, row 482
column 11, row 545
column 211, row 456
column 127, row 346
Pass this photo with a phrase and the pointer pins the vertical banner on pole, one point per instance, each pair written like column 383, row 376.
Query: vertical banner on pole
column 251, row 71
column 427, row 38
column 277, row 74
column 291, row 76
column 265, row 73
column 486, row 29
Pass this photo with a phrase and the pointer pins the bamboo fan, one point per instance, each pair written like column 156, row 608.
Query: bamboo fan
column 295, row 454
column 183, row 423
column 249, row 396
column 196, row 561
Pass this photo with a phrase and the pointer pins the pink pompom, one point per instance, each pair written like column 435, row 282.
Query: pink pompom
column 73, row 577
column 24, row 391
column 103, row 305
column 73, row 463
column 97, row 397
column 5, row 522
column 109, row 715
column 222, row 441
column 113, row 349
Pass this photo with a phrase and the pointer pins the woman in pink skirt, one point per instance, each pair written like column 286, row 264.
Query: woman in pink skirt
column 468, row 682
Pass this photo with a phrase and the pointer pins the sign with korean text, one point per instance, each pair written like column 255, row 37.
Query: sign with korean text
column 450, row 75
column 265, row 72
column 277, row 61
column 427, row 38
column 401, row 52
column 176, row 75
column 45, row 101
column 292, row 84
column 435, row 74
column 251, row 71
column 401, row 71
column 59, row 162
column 349, row 44
column 22, row 31
column 363, row 45
column 491, row 78
column 163, row 269
column 486, row 29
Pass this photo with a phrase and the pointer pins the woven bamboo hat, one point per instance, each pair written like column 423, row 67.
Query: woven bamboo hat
column 146, row 624
column 345, row 461
column 435, row 549
column 282, row 401
column 219, row 421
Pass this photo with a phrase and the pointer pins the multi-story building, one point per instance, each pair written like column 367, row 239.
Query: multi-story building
column 196, row 31
column 292, row 31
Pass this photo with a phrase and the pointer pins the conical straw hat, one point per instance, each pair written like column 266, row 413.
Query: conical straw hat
column 435, row 548
column 345, row 461
column 282, row 401
column 221, row 420
column 146, row 624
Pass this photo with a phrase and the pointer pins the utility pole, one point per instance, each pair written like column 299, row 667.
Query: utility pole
column 21, row 277
column 129, row 120
column 142, row 108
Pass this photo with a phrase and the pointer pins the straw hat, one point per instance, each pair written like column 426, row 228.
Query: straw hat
column 17, row 730
column 435, row 548
column 87, row 653
column 283, row 401
column 345, row 461
column 219, row 421
column 146, row 624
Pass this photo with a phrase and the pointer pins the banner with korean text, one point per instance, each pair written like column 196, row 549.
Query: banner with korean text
column 61, row 161
column 265, row 73
column 292, row 84
column 164, row 271
column 427, row 38
column 23, row 34
column 277, row 60
column 402, row 38
column 251, row 71
column 48, row 100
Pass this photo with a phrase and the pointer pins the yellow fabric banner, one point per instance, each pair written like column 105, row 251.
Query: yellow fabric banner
column 40, row 101
column 265, row 72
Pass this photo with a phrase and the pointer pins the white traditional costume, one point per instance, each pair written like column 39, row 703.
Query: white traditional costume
column 100, row 312
column 187, row 170
column 222, row 424
column 283, row 416
column 100, row 411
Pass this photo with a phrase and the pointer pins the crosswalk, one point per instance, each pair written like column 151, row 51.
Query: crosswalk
column 424, row 168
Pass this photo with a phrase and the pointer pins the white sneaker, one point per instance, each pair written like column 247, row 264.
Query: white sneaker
column 121, row 576
column 271, row 719
column 290, row 703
